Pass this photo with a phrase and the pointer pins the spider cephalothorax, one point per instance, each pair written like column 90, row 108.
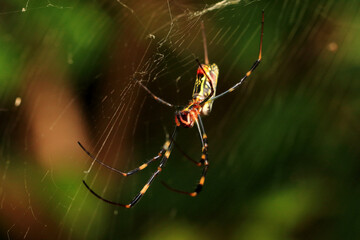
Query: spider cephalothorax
column 186, row 118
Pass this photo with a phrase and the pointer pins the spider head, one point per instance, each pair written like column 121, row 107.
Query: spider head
column 184, row 118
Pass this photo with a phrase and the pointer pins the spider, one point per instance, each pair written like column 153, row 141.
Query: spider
column 201, row 104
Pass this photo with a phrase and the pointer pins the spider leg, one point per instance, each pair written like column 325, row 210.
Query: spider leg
column 203, row 162
column 135, row 170
column 164, row 159
column 155, row 97
column 256, row 63
column 204, row 42
column 185, row 154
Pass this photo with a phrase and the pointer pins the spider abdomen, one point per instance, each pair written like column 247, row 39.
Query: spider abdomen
column 205, row 85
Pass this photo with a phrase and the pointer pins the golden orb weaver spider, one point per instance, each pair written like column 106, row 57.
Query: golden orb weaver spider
column 201, row 104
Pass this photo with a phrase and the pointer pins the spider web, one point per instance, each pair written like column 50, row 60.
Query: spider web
column 284, row 142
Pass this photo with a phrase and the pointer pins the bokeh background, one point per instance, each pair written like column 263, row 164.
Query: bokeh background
column 283, row 149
